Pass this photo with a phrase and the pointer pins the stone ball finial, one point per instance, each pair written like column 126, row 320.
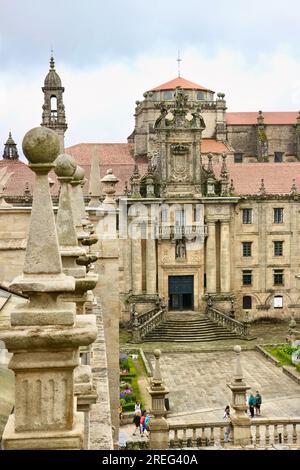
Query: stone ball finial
column 41, row 145
column 157, row 353
column 65, row 166
column 237, row 349
column 79, row 174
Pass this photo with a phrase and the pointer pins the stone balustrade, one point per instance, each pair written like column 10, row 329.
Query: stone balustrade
column 265, row 433
column 180, row 231
column 240, row 329
column 146, row 322
column 197, row 435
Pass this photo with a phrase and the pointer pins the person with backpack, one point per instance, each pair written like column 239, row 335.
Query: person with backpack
column 258, row 402
column 251, row 404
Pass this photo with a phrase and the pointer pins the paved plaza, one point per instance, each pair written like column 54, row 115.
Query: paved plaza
column 198, row 390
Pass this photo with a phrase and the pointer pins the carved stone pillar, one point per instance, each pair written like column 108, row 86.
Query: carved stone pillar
column 211, row 258
column 225, row 256
column 159, row 427
column 45, row 334
column 240, row 421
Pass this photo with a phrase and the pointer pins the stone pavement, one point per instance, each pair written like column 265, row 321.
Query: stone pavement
column 198, row 391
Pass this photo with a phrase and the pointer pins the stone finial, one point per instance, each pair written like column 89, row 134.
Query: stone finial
column 210, row 170
column 224, row 171
column 5, row 176
column 135, row 181
column 27, row 192
column 126, row 189
column 150, row 180
column 262, row 190
column 157, row 378
column 294, row 190
column 109, row 187
column 260, row 118
column 43, row 268
column 94, row 183
column 238, row 373
column 78, row 205
column 67, row 236
column 231, row 187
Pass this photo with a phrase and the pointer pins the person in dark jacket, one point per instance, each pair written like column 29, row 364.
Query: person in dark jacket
column 137, row 420
column 251, row 404
column 258, row 402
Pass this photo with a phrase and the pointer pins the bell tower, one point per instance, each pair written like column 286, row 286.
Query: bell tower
column 53, row 115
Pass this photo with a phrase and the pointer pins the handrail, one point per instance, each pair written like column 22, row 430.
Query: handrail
column 241, row 329
column 150, row 320
column 145, row 316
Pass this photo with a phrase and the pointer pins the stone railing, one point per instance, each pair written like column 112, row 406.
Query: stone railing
column 197, row 435
column 145, row 316
column 146, row 322
column 179, row 231
column 240, row 329
column 265, row 433
column 268, row 432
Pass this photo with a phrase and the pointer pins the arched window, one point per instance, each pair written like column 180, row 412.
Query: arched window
column 168, row 95
column 53, row 107
column 247, row 302
column 278, row 301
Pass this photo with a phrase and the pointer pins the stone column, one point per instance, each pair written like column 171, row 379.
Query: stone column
column 211, row 258
column 78, row 206
column 225, row 256
column 159, row 427
column 136, row 261
column 151, row 265
column 240, row 421
column 45, row 334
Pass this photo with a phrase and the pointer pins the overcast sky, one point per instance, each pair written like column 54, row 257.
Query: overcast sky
column 109, row 52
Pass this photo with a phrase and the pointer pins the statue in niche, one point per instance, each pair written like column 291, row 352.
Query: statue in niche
column 180, row 249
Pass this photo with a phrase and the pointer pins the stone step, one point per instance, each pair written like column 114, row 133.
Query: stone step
column 198, row 328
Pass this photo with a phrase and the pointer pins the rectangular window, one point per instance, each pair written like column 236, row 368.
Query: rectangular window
column 278, row 248
column 278, row 277
column 247, row 248
column 247, row 277
column 238, row 158
column 278, row 215
column 247, row 216
column 278, row 157
column 278, row 301
column 247, row 302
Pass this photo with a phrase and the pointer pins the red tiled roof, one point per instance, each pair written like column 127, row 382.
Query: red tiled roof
column 179, row 81
column 213, row 146
column 246, row 176
column 278, row 177
column 284, row 117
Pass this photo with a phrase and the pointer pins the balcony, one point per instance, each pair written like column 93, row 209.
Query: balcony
column 166, row 231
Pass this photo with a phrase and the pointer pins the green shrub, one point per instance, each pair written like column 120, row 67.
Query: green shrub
column 129, row 406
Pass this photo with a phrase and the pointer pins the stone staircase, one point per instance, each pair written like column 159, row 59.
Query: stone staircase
column 188, row 327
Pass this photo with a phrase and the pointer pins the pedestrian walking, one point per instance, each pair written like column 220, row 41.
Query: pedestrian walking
column 229, row 427
column 258, row 402
column 251, row 404
column 136, row 421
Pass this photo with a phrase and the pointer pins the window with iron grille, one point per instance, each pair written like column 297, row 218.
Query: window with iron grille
column 247, row 216
column 278, row 277
column 238, row 158
column 278, row 248
column 247, row 302
column 278, row 157
column 278, row 215
column 247, row 277
column 247, row 248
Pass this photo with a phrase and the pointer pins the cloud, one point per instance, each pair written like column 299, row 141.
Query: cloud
column 100, row 102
